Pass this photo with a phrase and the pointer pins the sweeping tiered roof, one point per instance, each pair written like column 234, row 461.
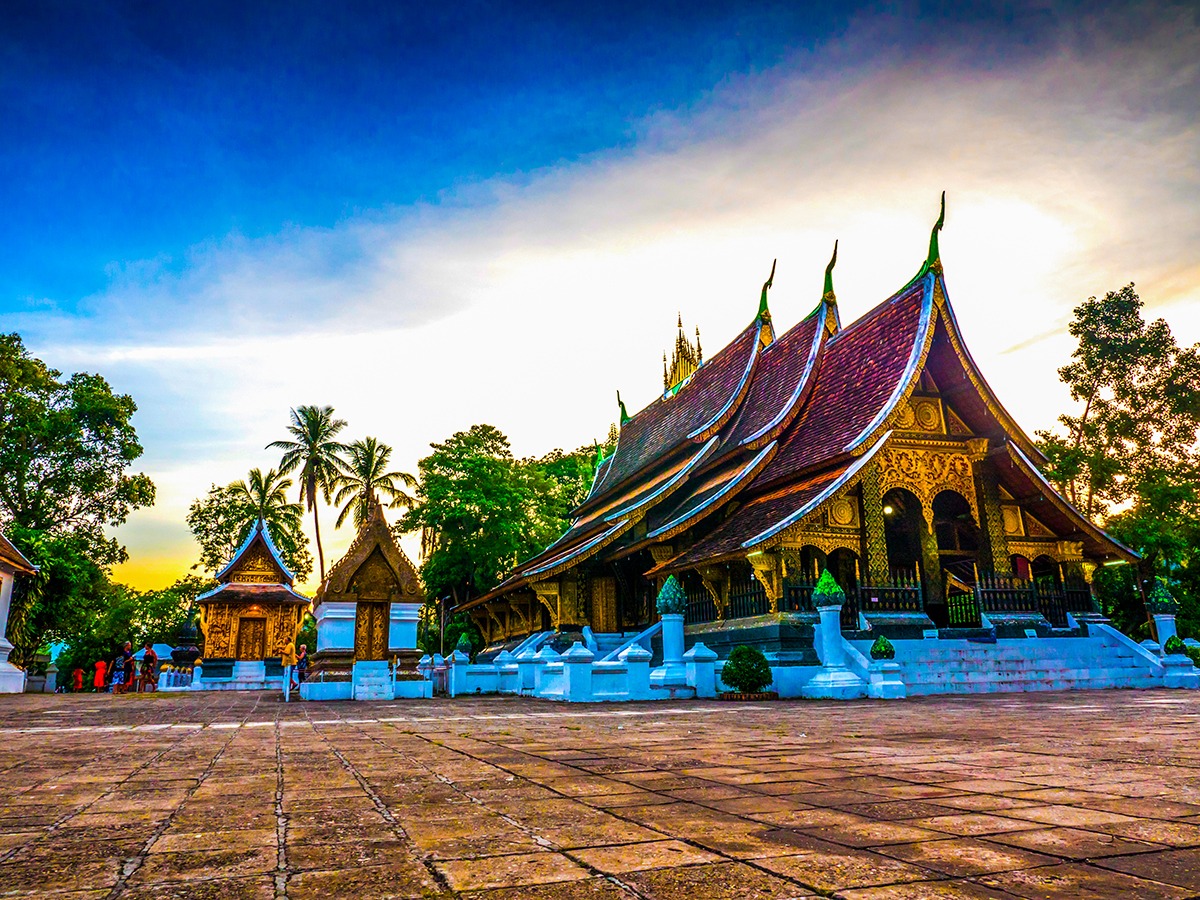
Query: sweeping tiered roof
column 782, row 425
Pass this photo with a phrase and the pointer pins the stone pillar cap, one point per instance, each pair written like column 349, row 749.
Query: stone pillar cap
column 700, row 653
column 578, row 654
column 636, row 653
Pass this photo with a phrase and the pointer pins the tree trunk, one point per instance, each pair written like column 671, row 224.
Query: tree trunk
column 320, row 552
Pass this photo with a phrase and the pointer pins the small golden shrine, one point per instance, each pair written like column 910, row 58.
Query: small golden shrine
column 253, row 614
column 381, row 582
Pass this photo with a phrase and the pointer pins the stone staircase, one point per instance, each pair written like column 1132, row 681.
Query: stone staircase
column 372, row 680
column 1041, row 664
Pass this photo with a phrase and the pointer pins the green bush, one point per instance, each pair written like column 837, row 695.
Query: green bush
column 672, row 599
column 882, row 649
column 1174, row 646
column 746, row 670
column 1193, row 653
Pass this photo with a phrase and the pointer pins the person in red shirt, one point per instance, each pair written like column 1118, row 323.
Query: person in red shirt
column 98, row 681
column 150, row 669
column 77, row 676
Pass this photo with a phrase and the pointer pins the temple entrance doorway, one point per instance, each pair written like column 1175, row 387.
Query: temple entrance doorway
column 903, row 526
column 604, row 605
column 370, row 630
column 251, row 638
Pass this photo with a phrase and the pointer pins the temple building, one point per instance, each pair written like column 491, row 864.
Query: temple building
column 249, row 618
column 367, row 609
column 875, row 450
column 12, row 565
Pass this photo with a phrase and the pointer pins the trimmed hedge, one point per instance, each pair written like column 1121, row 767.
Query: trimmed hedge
column 1175, row 646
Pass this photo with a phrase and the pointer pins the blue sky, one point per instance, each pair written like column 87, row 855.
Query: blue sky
column 432, row 218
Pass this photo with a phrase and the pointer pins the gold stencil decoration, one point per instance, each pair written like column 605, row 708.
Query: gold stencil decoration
column 1012, row 520
column 843, row 512
column 375, row 579
column 256, row 567
column 927, row 473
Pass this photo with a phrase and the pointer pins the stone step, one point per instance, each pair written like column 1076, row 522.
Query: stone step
column 917, row 690
column 1023, row 665
column 1065, row 677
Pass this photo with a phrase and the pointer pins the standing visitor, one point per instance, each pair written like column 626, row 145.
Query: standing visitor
column 129, row 664
column 289, row 663
column 77, row 679
column 118, row 675
column 301, row 665
column 98, row 679
column 149, row 669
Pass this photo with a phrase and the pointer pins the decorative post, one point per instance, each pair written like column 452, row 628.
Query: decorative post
column 834, row 681
column 637, row 671
column 873, row 527
column 1163, row 607
column 577, row 673
column 672, row 601
column 702, row 670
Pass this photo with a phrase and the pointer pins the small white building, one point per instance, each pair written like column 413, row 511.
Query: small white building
column 12, row 564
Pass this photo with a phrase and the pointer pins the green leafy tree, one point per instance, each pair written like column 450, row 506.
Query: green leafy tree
column 364, row 478
column 65, row 449
column 124, row 614
column 316, row 452
column 1129, row 458
column 480, row 511
column 221, row 520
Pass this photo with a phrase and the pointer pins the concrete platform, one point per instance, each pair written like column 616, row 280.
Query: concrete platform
column 235, row 794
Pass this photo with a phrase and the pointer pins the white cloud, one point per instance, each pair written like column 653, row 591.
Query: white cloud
column 526, row 303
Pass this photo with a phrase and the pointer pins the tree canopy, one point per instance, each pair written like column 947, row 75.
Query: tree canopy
column 481, row 511
column 365, row 478
column 1129, row 457
column 64, row 459
column 221, row 520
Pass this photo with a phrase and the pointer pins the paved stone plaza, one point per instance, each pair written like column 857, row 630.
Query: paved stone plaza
column 1069, row 795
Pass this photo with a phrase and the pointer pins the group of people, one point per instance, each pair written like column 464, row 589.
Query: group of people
column 122, row 675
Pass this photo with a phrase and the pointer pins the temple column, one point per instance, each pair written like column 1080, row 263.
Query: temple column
column 993, row 548
column 931, row 562
column 874, row 542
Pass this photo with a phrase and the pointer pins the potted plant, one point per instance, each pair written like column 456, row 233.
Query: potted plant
column 886, row 683
column 747, row 672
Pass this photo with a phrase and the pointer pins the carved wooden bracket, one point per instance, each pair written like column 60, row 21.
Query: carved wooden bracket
column 766, row 569
column 547, row 593
column 716, row 582
column 525, row 623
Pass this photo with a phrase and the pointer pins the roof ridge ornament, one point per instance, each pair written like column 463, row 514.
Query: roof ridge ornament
column 624, row 414
column 933, row 260
column 763, row 311
column 827, row 294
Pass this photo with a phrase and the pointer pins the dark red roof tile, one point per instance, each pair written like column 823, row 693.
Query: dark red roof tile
column 859, row 373
column 703, row 403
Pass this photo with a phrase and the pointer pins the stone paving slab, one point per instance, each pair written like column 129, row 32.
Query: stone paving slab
column 1066, row 795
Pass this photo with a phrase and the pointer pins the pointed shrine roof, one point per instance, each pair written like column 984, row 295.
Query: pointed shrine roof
column 865, row 372
column 373, row 535
column 259, row 534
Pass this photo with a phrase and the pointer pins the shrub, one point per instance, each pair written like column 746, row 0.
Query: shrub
column 827, row 591
column 746, row 670
column 1193, row 653
column 1160, row 599
column 465, row 645
column 1175, row 646
column 672, row 599
column 882, row 649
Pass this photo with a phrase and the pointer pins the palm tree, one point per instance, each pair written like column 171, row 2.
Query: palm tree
column 365, row 478
column 318, row 456
column 265, row 498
